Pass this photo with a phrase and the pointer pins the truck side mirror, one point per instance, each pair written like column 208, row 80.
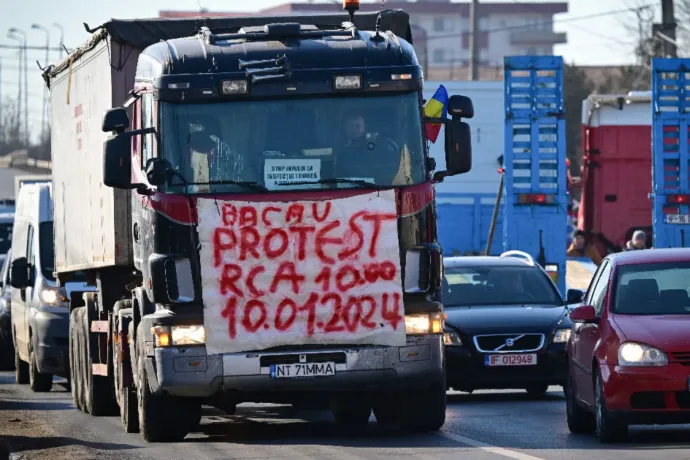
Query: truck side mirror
column 458, row 148
column 116, row 120
column 117, row 161
column 19, row 273
column 460, row 107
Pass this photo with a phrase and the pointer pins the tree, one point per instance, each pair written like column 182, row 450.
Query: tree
column 10, row 127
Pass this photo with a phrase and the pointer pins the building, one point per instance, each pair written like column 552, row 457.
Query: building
column 441, row 31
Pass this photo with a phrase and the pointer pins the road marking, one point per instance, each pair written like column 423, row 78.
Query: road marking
column 488, row 447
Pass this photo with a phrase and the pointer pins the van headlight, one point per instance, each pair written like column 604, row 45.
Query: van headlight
column 426, row 323
column 52, row 296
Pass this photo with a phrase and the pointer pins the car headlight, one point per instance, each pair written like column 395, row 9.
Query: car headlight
column 166, row 336
column 188, row 335
column 52, row 296
column 427, row 323
column 639, row 354
column 561, row 336
column 451, row 338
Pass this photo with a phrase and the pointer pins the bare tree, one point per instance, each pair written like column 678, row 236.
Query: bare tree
column 10, row 127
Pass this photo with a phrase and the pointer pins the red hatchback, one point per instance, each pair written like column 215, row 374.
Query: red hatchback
column 629, row 350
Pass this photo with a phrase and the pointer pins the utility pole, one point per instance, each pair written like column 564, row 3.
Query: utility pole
column 668, row 25
column 474, row 39
column 44, row 114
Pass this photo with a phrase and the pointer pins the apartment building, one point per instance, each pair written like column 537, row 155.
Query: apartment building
column 441, row 30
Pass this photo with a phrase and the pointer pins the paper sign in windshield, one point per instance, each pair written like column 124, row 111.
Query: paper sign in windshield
column 301, row 273
column 280, row 173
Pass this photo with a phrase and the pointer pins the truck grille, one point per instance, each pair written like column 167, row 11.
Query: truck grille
column 508, row 343
column 338, row 358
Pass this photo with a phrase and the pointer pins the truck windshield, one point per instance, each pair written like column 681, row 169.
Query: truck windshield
column 289, row 144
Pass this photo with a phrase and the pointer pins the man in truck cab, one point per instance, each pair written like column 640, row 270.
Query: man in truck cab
column 581, row 248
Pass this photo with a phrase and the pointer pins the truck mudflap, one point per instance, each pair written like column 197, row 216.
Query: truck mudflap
column 190, row 372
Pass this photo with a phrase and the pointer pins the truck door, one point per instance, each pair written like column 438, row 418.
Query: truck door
column 535, row 211
column 671, row 194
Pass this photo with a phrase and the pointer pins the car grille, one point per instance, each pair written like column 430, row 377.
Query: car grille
column 499, row 343
column 681, row 358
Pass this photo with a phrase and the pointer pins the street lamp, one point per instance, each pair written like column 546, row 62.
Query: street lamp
column 45, row 88
column 13, row 33
column 62, row 37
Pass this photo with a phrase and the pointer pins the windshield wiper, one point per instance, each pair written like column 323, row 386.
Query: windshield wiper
column 361, row 183
column 250, row 185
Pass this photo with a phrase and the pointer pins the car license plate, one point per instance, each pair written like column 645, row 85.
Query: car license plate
column 677, row 219
column 511, row 360
column 302, row 370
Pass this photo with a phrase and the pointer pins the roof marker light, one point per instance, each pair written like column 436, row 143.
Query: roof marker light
column 351, row 5
column 178, row 85
column 348, row 82
column 401, row 76
column 235, row 87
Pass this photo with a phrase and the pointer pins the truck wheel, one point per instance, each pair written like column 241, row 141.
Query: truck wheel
column 351, row 412
column 424, row 410
column 74, row 363
column 38, row 382
column 21, row 369
column 100, row 397
column 161, row 418
column 129, row 410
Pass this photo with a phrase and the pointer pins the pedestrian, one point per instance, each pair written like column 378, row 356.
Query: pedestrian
column 637, row 242
column 580, row 248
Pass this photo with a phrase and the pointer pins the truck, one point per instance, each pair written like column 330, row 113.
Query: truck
column 616, row 164
column 29, row 179
column 260, row 224
column 535, row 209
column 671, row 189
column 465, row 204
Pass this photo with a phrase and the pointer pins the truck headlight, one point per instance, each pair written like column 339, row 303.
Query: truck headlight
column 639, row 354
column 426, row 323
column 188, row 335
column 561, row 336
column 452, row 339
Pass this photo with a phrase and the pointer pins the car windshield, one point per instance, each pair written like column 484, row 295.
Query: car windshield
column 652, row 289
column 47, row 249
column 497, row 286
column 277, row 143
column 5, row 237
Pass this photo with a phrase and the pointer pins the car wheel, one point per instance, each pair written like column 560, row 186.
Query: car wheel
column 608, row 429
column 579, row 419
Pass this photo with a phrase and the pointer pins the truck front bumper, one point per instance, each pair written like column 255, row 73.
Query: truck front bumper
column 190, row 372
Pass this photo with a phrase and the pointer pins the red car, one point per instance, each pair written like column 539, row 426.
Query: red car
column 629, row 350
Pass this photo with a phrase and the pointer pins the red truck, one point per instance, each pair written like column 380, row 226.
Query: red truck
column 616, row 168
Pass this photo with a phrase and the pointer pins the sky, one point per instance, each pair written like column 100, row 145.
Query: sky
column 599, row 31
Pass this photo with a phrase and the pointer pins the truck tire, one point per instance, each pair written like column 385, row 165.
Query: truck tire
column 351, row 412
column 99, row 394
column 74, row 358
column 426, row 409
column 162, row 418
column 21, row 369
column 39, row 383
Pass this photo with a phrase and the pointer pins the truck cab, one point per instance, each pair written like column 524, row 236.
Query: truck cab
column 282, row 224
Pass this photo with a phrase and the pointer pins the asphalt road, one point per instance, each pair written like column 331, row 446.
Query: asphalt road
column 480, row 426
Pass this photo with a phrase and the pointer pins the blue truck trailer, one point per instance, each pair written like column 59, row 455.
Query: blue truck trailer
column 535, row 201
column 670, row 188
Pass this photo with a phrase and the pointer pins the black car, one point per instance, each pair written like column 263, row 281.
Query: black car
column 506, row 324
column 6, row 342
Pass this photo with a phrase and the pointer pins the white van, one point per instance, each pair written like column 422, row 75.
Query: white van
column 40, row 309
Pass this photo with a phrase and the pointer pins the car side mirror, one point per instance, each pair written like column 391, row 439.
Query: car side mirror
column 117, row 161
column 574, row 296
column 584, row 314
column 19, row 273
column 116, row 120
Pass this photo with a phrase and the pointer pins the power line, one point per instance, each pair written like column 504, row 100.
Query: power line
column 548, row 21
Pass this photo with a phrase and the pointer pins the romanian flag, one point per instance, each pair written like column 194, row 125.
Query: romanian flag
column 437, row 107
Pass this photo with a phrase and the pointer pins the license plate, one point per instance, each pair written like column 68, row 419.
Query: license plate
column 511, row 360
column 302, row 370
column 677, row 219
